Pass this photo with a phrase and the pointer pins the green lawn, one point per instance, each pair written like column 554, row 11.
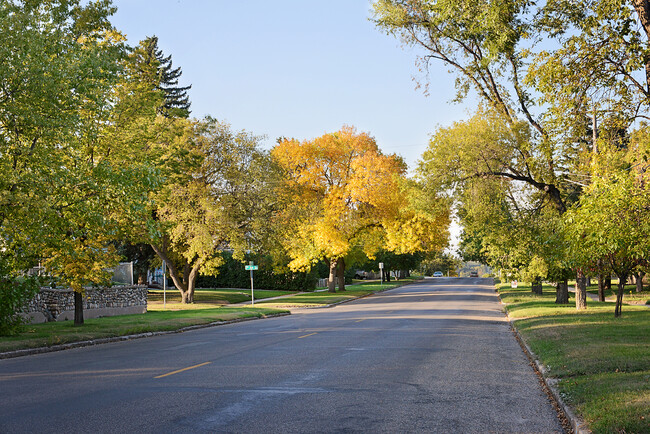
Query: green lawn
column 209, row 297
column 602, row 362
column 54, row 333
column 210, row 305
column 324, row 298
column 629, row 296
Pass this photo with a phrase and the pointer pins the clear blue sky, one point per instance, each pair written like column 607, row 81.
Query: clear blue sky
column 296, row 68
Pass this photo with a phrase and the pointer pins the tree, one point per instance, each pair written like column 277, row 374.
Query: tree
column 444, row 262
column 177, row 102
column 68, row 188
column 342, row 194
column 602, row 65
column 514, row 219
column 482, row 41
column 612, row 223
column 214, row 201
column 594, row 64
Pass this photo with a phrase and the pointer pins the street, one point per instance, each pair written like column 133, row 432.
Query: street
column 435, row 356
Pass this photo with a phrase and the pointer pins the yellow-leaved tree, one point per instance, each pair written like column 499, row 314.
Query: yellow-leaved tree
column 342, row 195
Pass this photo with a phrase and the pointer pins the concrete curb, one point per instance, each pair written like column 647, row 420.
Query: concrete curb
column 577, row 425
column 68, row 346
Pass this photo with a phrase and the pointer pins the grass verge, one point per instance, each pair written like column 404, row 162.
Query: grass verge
column 629, row 295
column 324, row 298
column 602, row 363
column 55, row 333
column 209, row 306
column 207, row 298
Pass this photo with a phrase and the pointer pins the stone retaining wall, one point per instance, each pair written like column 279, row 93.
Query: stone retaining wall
column 58, row 304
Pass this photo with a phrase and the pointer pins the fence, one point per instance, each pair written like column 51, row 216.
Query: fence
column 58, row 304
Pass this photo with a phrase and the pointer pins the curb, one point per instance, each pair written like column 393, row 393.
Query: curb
column 68, row 346
column 576, row 424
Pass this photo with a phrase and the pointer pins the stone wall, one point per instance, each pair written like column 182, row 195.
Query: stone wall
column 58, row 304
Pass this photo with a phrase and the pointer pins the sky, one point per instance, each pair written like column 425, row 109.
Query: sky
column 296, row 68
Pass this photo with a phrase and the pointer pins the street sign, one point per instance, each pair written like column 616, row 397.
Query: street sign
column 381, row 265
column 252, row 267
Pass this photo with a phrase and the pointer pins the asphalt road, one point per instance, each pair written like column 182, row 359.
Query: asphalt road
column 436, row 356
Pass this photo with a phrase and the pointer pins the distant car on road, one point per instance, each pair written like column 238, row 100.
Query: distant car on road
column 473, row 274
column 438, row 274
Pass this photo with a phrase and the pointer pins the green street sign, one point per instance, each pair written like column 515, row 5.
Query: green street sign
column 252, row 267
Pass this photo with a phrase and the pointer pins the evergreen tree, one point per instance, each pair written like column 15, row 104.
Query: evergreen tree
column 177, row 102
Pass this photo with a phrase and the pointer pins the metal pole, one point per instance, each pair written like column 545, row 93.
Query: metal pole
column 252, row 291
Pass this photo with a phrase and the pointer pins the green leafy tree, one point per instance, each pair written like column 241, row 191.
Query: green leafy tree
column 68, row 188
column 612, row 223
column 483, row 42
column 215, row 202
column 176, row 102
column 445, row 262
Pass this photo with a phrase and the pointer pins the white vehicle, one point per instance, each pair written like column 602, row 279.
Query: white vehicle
column 438, row 274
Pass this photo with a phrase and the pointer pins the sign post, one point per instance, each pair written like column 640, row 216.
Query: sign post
column 252, row 267
column 381, row 273
column 164, row 285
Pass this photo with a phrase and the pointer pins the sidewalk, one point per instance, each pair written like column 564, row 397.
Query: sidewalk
column 594, row 297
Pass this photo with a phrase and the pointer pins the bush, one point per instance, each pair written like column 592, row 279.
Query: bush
column 232, row 274
column 15, row 293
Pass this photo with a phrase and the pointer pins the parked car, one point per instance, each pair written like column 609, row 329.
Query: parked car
column 473, row 274
column 438, row 274
column 360, row 274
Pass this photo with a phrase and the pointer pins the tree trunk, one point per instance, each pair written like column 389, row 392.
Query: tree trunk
column 78, row 309
column 639, row 281
column 331, row 280
column 619, row 295
column 562, row 292
column 581, row 290
column 537, row 287
column 601, row 287
column 340, row 274
column 185, row 283
column 608, row 283
column 191, row 280
column 188, row 296
column 386, row 275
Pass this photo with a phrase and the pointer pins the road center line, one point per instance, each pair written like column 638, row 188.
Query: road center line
column 311, row 334
column 184, row 369
column 361, row 320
